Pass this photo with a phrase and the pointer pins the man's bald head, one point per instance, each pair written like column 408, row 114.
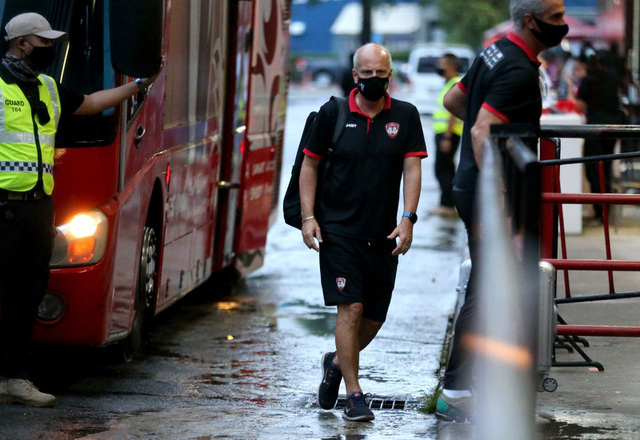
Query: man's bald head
column 371, row 52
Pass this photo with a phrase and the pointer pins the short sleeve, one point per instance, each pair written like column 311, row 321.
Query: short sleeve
column 512, row 91
column 70, row 100
column 463, row 84
column 320, row 138
column 416, row 146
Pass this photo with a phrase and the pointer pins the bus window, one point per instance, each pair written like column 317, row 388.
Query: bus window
column 195, row 63
column 136, row 36
column 86, row 68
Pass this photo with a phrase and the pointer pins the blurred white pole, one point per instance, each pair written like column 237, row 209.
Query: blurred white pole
column 502, row 344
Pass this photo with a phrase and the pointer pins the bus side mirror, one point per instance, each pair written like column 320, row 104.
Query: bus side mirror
column 136, row 36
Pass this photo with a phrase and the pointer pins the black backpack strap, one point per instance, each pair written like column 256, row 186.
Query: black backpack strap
column 341, row 120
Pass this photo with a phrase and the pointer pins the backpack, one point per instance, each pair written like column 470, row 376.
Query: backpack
column 291, row 203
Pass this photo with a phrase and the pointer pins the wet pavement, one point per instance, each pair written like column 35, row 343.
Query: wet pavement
column 247, row 365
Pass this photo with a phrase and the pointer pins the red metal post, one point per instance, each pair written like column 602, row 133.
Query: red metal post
column 563, row 237
column 547, row 233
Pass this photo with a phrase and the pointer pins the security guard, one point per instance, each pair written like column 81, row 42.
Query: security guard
column 31, row 105
column 448, row 130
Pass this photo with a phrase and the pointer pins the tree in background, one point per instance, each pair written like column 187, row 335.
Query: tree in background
column 466, row 20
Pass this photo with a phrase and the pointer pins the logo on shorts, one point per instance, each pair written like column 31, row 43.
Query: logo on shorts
column 392, row 129
column 341, row 282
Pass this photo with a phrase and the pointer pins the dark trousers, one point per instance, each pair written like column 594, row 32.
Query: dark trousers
column 458, row 373
column 597, row 147
column 445, row 169
column 26, row 242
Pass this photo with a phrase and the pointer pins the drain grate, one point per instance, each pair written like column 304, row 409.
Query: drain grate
column 382, row 403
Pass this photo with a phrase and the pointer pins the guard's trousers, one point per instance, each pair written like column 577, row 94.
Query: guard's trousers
column 26, row 243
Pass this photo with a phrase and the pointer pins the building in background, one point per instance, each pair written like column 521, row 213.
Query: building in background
column 331, row 28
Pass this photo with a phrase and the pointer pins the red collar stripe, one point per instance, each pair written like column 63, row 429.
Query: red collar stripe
column 462, row 87
column 353, row 107
column 515, row 39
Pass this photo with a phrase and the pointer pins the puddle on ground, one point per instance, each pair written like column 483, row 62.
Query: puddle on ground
column 346, row 437
column 316, row 325
column 555, row 430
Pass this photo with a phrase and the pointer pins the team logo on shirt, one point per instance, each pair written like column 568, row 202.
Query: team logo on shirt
column 341, row 282
column 392, row 129
column 492, row 56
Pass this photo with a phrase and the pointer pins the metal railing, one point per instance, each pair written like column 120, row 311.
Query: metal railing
column 552, row 222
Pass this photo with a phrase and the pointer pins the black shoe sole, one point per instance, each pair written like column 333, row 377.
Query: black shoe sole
column 364, row 418
column 329, row 406
column 449, row 419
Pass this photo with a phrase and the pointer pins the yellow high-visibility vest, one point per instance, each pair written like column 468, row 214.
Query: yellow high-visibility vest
column 441, row 115
column 27, row 145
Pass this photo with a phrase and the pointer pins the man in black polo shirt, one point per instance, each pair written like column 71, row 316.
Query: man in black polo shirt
column 501, row 87
column 356, row 225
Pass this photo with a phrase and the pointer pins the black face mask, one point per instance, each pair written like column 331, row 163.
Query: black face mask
column 373, row 88
column 550, row 34
column 41, row 57
column 440, row 71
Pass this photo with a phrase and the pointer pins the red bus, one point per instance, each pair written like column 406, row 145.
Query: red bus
column 155, row 196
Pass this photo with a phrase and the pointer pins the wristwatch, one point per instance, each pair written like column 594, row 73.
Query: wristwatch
column 412, row 216
column 141, row 86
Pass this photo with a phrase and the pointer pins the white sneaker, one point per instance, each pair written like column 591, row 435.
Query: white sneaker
column 25, row 392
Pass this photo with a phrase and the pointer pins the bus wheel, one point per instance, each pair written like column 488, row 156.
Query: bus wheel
column 145, row 293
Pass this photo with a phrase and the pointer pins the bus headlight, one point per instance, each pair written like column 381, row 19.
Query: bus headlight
column 82, row 241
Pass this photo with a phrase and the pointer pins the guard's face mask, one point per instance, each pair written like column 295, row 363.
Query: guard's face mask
column 40, row 57
column 550, row 34
column 373, row 88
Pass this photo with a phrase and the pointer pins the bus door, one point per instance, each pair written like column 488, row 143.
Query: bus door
column 235, row 125
column 265, row 130
column 192, row 127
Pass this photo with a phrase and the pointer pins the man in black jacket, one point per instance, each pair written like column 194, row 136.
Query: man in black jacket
column 501, row 87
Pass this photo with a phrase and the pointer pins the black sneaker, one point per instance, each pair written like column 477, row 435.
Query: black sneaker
column 330, row 385
column 356, row 408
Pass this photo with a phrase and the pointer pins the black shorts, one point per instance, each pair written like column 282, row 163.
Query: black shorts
column 358, row 271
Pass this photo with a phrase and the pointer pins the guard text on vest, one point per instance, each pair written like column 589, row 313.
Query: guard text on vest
column 14, row 105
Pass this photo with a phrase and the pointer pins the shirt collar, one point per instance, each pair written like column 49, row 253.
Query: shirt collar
column 515, row 39
column 353, row 107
